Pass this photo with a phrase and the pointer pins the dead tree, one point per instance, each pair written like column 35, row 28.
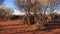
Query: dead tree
column 35, row 8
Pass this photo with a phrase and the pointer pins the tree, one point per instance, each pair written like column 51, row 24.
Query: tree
column 53, row 5
column 5, row 12
column 29, row 6
column 2, row 13
column 36, row 7
column 49, row 5
column 8, row 10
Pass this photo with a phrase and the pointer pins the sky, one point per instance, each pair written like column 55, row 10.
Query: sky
column 11, row 4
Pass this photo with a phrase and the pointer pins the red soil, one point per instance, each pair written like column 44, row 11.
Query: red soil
column 10, row 22
column 10, row 27
column 54, row 31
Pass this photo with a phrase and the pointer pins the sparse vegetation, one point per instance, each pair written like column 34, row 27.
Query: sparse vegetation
column 39, row 16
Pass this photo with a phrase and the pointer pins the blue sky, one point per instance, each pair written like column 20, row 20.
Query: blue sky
column 11, row 4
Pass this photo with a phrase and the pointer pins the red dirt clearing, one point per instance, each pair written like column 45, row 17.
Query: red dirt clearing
column 54, row 31
column 10, row 22
column 9, row 27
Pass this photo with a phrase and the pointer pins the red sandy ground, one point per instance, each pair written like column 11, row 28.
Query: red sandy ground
column 11, row 27
column 9, row 22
